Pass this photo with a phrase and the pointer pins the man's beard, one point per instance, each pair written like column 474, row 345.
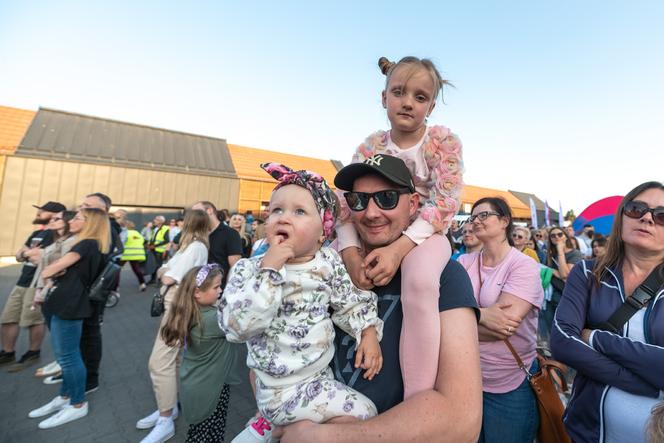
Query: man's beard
column 39, row 221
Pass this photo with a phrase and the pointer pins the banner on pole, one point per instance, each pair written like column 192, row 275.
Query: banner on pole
column 561, row 217
column 547, row 216
column 533, row 213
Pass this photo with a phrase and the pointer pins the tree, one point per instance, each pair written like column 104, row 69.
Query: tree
column 569, row 216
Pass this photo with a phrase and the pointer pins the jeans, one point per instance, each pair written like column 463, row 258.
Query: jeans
column 91, row 343
column 66, row 337
column 511, row 417
column 546, row 316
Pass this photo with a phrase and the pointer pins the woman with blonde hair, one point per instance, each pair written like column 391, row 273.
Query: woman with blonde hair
column 164, row 359
column 238, row 222
column 65, row 307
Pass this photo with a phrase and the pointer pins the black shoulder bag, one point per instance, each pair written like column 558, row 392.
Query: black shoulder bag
column 632, row 305
column 157, row 306
column 104, row 282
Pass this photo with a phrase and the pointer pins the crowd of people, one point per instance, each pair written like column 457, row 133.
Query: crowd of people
column 368, row 314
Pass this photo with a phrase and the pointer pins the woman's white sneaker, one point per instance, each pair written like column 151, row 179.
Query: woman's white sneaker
column 53, row 406
column 163, row 430
column 151, row 420
column 66, row 414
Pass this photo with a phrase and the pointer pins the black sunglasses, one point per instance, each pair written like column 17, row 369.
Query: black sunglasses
column 556, row 235
column 637, row 210
column 388, row 199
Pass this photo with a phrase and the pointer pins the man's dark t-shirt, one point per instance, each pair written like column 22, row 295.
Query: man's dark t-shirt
column 224, row 241
column 69, row 300
column 386, row 389
column 44, row 238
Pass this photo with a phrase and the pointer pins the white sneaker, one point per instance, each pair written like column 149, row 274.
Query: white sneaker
column 53, row 406
column 151, row 420
column 53, row 379
column 50, row 369
column 258, row 431
column 163, row 430
column 67, row 414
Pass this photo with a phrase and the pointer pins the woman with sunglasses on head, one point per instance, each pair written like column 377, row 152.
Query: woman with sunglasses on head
column 509, row 293
column 164, row 359
column 620, row 374
column 561, row 256
column 65, row 307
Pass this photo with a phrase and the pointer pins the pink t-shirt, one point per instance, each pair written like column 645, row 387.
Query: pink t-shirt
column 518, row 275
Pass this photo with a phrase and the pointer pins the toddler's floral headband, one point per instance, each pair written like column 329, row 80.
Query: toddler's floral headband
column 314, row 183
column 204, row 272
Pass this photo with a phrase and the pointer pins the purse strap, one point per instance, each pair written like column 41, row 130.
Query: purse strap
column 632, row 305
column 518, row 359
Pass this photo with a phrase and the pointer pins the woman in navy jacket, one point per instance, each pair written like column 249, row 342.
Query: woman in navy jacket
column 620, row 377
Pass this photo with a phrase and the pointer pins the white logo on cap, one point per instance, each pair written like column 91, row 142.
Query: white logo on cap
column 374, row 161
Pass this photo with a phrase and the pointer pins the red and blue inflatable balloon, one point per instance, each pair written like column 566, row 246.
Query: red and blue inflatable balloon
column 599, row 214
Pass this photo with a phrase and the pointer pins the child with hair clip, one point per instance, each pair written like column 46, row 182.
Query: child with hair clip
column 433, row 156
column 207, row 364
column 279, row 304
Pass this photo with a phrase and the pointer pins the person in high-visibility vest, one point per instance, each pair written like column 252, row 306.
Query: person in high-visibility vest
column 158, row 243
column 134, row 252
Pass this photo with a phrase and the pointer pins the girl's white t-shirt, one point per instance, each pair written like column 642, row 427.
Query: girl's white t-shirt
column 196, row 254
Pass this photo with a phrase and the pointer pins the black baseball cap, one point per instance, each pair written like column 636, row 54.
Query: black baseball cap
column 388, row 166
column 52, row 207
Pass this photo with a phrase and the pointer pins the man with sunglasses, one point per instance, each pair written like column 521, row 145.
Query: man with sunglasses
column 382, row 199
column 17, row 312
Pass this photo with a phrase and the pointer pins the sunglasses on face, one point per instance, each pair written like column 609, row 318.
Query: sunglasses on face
column 519, row 236
column 388, row 199
column 556, row 235
column 482, row 216
column 638, row 210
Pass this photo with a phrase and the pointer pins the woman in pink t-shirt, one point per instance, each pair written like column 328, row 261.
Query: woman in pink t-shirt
column 509, row 293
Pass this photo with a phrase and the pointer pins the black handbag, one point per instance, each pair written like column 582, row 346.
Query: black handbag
column 104, row 282
column 157, row 305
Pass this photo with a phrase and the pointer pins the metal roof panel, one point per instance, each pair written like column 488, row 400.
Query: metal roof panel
column 63, row 135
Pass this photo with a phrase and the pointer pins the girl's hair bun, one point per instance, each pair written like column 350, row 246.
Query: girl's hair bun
column 385, row 65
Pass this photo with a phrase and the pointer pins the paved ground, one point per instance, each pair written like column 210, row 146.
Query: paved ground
column 125, row 393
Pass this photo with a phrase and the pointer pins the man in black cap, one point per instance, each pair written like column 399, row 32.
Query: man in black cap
column 17, row 312
column 383, row 201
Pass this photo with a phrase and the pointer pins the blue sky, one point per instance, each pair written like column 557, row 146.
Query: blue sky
column 563, row 100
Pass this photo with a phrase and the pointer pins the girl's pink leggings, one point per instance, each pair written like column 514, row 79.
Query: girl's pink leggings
column 420, row 332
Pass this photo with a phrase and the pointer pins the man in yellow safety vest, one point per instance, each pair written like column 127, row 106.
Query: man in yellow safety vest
column 158, row 243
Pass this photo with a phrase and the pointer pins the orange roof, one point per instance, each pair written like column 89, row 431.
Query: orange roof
column 13, row 126
column 471, row 194
column 247, row 163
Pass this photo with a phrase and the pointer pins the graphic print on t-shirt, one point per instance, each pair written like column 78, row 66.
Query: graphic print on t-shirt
column 386, row 306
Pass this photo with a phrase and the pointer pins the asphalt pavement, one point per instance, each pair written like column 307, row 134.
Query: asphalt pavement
column 125, row 392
